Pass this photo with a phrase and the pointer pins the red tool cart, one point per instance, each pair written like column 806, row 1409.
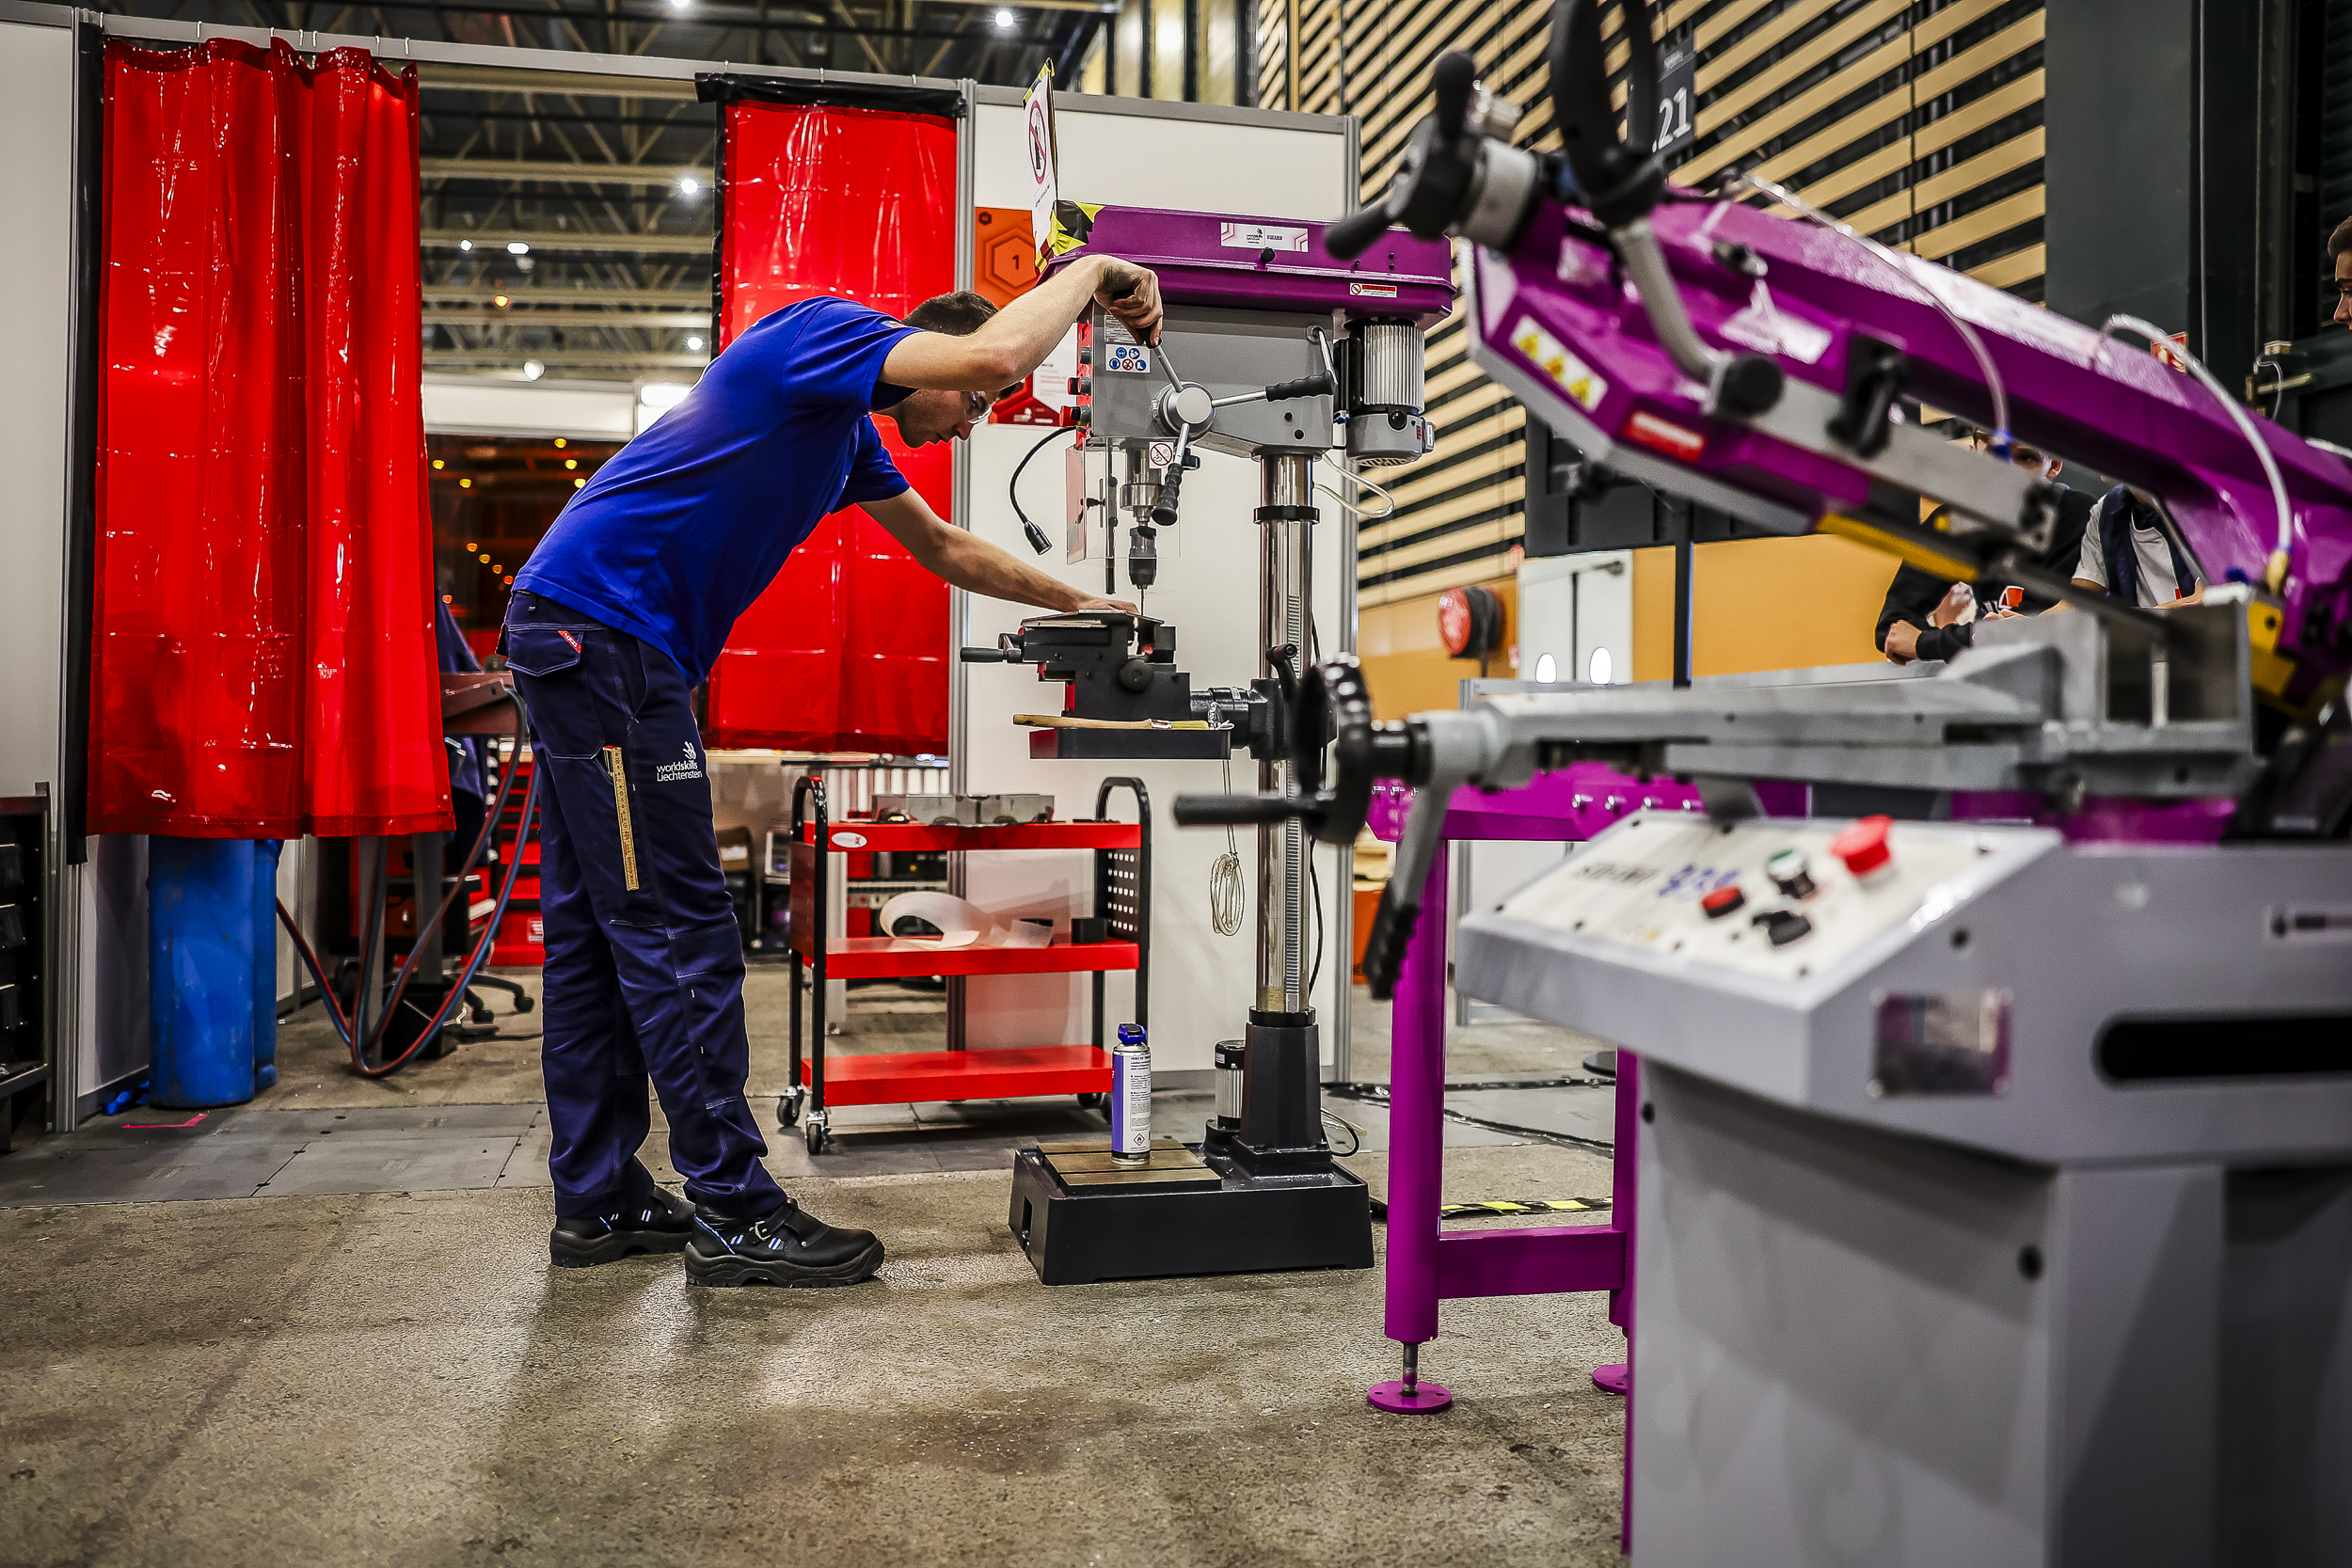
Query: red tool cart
column 1122, row 897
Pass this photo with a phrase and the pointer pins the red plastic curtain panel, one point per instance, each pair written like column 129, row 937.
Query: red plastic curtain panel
column 848, row 649
column 264, row 662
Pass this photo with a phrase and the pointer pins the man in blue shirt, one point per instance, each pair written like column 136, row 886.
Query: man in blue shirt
column 614, row 620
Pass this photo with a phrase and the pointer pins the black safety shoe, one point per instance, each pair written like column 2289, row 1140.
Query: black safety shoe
column 664, row 1222
column 787, row 1246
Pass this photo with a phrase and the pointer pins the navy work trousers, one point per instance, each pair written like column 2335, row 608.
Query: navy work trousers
column 645, row 966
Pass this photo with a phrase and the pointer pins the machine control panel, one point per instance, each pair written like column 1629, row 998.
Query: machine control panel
column 1780, row 899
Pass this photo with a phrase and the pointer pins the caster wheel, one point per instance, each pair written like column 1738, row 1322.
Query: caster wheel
column 788, row 1109
column 817, row 1138
column 525, row 1003
column 1090, row 1102
column 480, row 1015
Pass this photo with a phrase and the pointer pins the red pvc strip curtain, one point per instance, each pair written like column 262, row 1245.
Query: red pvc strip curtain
column 263, row 662
column 847, row 648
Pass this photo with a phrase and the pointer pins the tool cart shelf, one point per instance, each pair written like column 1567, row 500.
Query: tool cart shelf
column 1122, row 895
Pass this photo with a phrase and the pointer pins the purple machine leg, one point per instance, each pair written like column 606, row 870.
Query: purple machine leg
column 1416, row 1135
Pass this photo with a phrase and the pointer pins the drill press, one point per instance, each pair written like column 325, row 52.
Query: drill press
column 1275, row 351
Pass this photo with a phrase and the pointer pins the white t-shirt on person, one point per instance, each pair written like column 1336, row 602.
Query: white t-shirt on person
column 2157, row 584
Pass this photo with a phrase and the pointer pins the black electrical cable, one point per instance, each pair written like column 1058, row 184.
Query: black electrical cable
column 1314, row 976
column 1378, row 1094
column 360, row 1040
column 1038, row 541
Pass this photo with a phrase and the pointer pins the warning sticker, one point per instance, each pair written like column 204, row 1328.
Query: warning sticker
column 1132, row 358
column 1374, row 290
column 1162, row 453
column 1552, row 358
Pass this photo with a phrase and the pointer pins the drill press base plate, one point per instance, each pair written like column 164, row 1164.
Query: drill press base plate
column 1186, row 1215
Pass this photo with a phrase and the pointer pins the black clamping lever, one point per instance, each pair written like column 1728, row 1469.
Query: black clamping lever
column 1876, row 375
column 1008, row 651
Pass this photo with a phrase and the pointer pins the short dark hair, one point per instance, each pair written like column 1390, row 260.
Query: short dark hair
column 2341, row 240
column 958, row 314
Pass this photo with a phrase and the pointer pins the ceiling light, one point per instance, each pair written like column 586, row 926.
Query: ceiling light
column 436, row 463
column 501, row 301
column 485, row 557
column 694, row 343
column 577, row 482
column 662, row 394
column 571, row 462
column 465, row 484
column 559, row 443
column 449, row 598
column 517, row 247
column 465, row 244
column 1004, row 17
column 471, row 546
column 499, row 568
column 510, row 582
column 532, row 369
column 690, row 187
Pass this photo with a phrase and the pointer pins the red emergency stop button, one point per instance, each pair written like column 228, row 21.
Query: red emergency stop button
column 1863, row 846
column 1723, row 901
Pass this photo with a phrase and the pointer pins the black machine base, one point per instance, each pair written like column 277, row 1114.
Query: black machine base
column 1217, row 1219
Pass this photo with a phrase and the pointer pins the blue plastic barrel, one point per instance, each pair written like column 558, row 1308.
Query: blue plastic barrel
column 265, row 962
column 200, row 901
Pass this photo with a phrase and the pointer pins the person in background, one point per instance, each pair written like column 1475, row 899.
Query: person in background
column 2340, row 258
column 1927, row 617
column 2128, row 555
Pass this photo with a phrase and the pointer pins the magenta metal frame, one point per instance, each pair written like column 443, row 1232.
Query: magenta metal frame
column 1425, row 1266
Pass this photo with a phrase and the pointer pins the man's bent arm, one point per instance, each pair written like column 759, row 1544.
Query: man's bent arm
column 971, row 562
column 1018, row 338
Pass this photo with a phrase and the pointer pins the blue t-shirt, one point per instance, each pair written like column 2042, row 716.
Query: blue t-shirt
column 687, row 524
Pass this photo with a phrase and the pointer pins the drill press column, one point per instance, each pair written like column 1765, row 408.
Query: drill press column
column 1282, row 1120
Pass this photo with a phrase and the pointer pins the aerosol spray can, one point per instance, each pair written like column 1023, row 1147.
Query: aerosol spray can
column 1131, row 1097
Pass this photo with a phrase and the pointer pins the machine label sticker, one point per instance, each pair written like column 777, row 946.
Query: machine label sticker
column 678, row 772
column 1663, row 435
column 1953, row 1043
column 537, row 928
column 1261, row 236
column 1613, row 871
column 2313, row 923
column 1162, row 453
column 843, row 839
column 1132, row 358
column 1374, row 290
column 1552, row 358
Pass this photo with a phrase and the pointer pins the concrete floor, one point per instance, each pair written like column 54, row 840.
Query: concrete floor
column 355, row 1352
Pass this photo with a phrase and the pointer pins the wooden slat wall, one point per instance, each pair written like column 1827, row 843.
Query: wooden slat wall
column 1919, row 121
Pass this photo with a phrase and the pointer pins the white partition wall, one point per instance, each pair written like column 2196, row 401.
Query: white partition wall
column 1132, row 152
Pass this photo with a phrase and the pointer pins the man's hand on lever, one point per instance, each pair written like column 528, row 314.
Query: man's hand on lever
column 1132, row 294
column 1019, row 337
